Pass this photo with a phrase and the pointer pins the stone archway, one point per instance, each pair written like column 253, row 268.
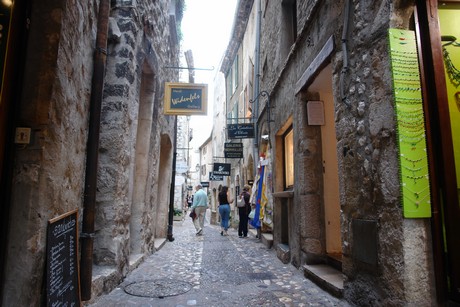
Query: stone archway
column 163, row 187
column 141, row 156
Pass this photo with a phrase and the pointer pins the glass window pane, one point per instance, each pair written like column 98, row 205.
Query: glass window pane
column 289, row 158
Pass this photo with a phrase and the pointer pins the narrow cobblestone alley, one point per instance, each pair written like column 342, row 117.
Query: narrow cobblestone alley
column 215, row 270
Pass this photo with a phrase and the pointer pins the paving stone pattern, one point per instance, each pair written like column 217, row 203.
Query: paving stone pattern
column 215, row 270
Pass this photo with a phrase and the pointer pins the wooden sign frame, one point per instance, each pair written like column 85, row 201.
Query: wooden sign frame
column 186, row 99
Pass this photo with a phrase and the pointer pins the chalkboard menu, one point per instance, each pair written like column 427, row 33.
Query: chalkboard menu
column 62, row 282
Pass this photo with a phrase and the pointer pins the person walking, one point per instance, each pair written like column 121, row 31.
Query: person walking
column 244, row 208
column 224, row 209
column 200, row 204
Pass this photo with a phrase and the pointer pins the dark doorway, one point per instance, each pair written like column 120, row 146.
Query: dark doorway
column 14, row 20
column 433, row 23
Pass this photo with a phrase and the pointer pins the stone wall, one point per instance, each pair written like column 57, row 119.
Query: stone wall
column 49, row 173
column 136, row 138
column 133, row 103
column 366, row 146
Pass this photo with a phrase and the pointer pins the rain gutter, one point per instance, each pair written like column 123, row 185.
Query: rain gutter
column 89, row 204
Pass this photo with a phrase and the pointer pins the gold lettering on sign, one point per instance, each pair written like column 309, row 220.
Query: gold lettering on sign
column 182, row 99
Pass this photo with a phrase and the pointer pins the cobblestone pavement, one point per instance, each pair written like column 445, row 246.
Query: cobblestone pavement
column 215, row 270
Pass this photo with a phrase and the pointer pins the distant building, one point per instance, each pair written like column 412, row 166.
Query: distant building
column 238, row 68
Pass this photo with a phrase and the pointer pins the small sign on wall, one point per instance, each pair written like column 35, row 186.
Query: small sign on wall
column 315, row 113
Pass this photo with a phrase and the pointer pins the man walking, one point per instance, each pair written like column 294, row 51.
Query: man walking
column 200, row 204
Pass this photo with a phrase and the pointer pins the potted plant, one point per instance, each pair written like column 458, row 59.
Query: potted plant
column 177, row 215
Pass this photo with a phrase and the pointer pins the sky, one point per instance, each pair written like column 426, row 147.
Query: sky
column 206, row 29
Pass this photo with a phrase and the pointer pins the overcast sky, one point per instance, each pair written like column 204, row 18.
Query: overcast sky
column 206, row 28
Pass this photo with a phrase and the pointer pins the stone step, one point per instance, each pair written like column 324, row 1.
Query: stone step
column 326, row 277
column 283, row 252
column 159, row 242
column 266, row 238
column 335, row 261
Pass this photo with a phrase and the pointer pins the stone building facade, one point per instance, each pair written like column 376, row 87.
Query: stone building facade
column 338, row 185
column 217, row 142
column 51, row 94
column 238, row 68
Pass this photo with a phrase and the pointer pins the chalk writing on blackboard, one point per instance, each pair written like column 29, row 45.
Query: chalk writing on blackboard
column 62, row 281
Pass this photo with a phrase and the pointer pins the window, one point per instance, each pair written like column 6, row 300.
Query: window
column 246, row 107
column 288, row 28
column 232, row 114
column 289, row 11
column 232, row 79
column 288, row 141
column 229, row 85
column 235, row 113
column 203, row 170
column 249, row 92
column 235, row 75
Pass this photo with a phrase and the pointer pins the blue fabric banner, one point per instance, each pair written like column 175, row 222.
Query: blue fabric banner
column 255, row 222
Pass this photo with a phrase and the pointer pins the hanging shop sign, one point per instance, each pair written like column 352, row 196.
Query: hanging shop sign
column 185, row 99
column 213, row 177
column 233, row 150
column 205, row 184
column 179, row 180
column 181, row 167
column 222, row 169
column 240, row 131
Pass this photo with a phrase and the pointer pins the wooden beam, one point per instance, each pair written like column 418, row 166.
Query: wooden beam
column 321, row 60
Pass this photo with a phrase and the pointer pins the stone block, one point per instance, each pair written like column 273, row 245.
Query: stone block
column 283, row 253
column 267, row 239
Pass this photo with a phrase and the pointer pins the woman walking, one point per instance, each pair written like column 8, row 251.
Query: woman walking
column 244, row 208
column 224, row 209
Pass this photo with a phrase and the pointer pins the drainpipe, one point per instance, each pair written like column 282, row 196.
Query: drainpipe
column 346, row 21
column 191, row 79
column 256, row 85
column 173, row 186
column 97, row 87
